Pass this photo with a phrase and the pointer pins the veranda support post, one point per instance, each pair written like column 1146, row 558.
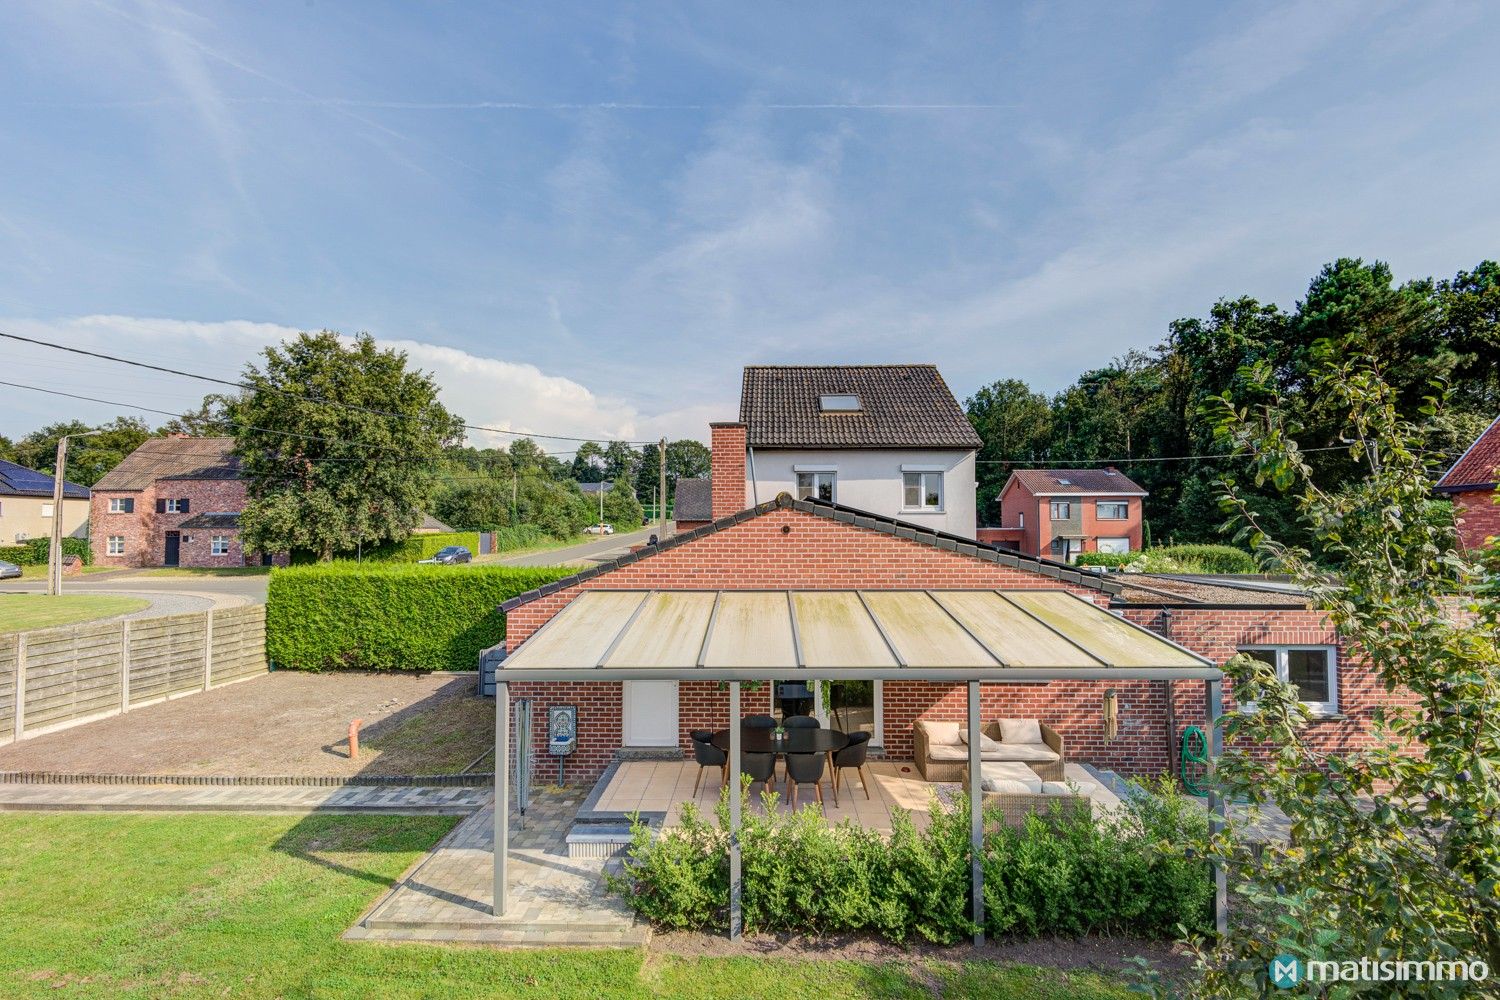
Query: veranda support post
column 976, row 816
column 502, row 792
column 735, row 910
column 1215, row 706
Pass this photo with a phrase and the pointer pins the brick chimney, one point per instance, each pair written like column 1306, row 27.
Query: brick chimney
column 727, row 469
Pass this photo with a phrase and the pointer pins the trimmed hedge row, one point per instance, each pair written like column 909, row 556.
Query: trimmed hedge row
column 34, row 551
column 414, row 548
column 1175, row 559
column 346, row 616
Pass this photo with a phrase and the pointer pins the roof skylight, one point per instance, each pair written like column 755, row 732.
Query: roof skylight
column 839, row 403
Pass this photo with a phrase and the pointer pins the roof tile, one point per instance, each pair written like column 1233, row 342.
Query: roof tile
column 901, row 406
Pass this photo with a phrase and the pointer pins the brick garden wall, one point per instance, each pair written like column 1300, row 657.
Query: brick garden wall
column 1478, row 517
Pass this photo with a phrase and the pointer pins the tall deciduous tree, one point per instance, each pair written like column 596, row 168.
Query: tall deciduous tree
column 339, row 443
column 89, row 458
column 1016, row 425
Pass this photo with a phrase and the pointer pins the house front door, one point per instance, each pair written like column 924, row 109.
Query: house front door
column 650, row 713
column 174, row 549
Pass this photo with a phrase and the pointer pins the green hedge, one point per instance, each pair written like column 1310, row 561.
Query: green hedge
column 34, row 552
column 1176, row 559
column 522, row 536
column 1112, row 560
column 417, row 547
column 345, row 616
column 1131, row 876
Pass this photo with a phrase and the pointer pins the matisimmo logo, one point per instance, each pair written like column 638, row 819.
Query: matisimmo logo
column 1287, row 971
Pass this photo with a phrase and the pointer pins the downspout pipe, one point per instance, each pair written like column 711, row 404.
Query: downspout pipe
column 754, row 490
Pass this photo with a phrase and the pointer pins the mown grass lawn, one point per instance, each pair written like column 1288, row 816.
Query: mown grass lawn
column 215, row 905
column 20, row 612
column 205, row 571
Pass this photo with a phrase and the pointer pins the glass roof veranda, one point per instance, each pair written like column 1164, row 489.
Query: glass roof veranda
column 969, row 636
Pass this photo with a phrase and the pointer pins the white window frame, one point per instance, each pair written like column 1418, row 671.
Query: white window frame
column 1123, row 549
column 840, row 402
column 172, row 506
column 114, row 545
column 214, row 543
column 1067, row 506
column 922, row 476
column 1020, row 519
column 47, row 510
column 1318, row 708
column 117, row 505
column 815, row 479
column 1123, row 505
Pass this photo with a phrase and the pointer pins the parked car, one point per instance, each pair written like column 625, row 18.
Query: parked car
column 450, row 555
column 600, row 529
column 9, row 571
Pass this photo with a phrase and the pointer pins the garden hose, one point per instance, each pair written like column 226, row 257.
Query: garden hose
column 1194, row 751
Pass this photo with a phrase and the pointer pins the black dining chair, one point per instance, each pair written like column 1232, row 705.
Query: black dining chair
column 801, row 722
column 853, row 756
column 804, row 769
column 758, row 722
column 759, row 766
column 708, row 755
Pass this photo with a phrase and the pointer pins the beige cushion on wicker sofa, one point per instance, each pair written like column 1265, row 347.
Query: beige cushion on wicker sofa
column 1027, row 753
column 942, row 756
column 1009, row 776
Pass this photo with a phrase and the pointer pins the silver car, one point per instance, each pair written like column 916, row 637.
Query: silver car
column 9, row 571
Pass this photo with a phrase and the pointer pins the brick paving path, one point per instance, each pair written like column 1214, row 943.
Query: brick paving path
column 401, row 800
column 554, row 900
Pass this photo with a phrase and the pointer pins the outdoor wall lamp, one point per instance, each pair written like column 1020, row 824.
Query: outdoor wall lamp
column 1111, row 714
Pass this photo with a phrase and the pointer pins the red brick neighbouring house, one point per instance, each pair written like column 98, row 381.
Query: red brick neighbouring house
column 1059, row 513
column 174, row 501
column 1471, row 485
column 813, row 545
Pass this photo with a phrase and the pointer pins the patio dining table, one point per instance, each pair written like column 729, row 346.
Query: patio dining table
column 758, row 740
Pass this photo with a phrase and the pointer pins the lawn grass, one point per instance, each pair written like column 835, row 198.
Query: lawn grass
column 22, row 612
column 40, row 572
column 211, row 905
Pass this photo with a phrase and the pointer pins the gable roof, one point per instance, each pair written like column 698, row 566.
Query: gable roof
column 956, row 544
column 19, row 481
column 173, row 458
column 901, row 406
column 1475, row 468
column 693, row 500
column 1061, row 482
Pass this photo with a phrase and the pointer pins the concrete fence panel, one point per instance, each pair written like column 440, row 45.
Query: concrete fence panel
column 52, row 678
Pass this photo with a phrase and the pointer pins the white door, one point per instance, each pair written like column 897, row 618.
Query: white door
column 650, row 709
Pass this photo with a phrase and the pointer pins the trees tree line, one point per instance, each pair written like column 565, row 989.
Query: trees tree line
column 1419, row 336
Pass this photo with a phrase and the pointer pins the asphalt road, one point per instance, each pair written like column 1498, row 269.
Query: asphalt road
column 247, row 588
column 595, row 550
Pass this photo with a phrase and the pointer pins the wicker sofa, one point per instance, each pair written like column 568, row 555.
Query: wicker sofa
column 1012, row 792
column 941, row 756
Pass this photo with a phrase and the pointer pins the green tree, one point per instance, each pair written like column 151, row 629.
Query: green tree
column 1016, row 426
column 686, row 459
column 589, row 465
column 1395, row 848
column 621, row 507
column 338, row 445
column 476, row 504
column 558, row 508
column 89, row 458
column 7, row 449
column 210, row 419
column 621, row 462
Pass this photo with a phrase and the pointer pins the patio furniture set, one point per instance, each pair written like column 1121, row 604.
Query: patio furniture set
column 1021, row 766
column 801, row 742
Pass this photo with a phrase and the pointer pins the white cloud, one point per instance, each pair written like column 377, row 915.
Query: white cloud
column 487, row 392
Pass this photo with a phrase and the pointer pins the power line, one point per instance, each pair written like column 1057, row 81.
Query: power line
column 307, row 399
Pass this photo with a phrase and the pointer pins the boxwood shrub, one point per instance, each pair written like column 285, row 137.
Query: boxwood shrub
column 1128, row 874
column 393, row 616
column 34, row 551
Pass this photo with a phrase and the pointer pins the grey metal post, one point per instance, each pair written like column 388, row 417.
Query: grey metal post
column 1215, row 706
column 735, row 914
column 502, row 791
column 976, row 816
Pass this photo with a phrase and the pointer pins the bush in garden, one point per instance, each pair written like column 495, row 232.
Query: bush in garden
column 1121, row 875
column 1109, row 560
column 391, row 616
column 34, row 552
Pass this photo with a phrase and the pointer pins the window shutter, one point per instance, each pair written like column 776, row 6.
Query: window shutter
column 161, row 506
column 182, row 506
column 130, row 505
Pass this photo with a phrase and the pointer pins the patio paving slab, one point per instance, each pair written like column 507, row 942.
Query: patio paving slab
column 554, row 900
column 392, row 800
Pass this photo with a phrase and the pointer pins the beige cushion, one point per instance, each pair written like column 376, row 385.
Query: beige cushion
column 1008, row 785
column 1038, row 754
column 1020, row 731
column 985, row 743
column 941, row 734
column 1010, row 771
column 1068, row 788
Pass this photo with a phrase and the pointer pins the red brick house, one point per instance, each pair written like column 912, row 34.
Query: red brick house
column 1470, row 483
column 1059, row 513
column 174, row 501
column 814, row 545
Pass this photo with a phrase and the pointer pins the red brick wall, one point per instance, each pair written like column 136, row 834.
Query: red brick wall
column 140, row 548
column 145, row 530
column 1477, row 516
column 727, row 468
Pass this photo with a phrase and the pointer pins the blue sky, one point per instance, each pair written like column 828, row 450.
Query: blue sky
column 586, row 218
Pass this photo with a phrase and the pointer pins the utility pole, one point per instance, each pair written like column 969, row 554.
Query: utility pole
column 601, row 504
column 54, row 551
column 661, row 509
column 515, row 478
